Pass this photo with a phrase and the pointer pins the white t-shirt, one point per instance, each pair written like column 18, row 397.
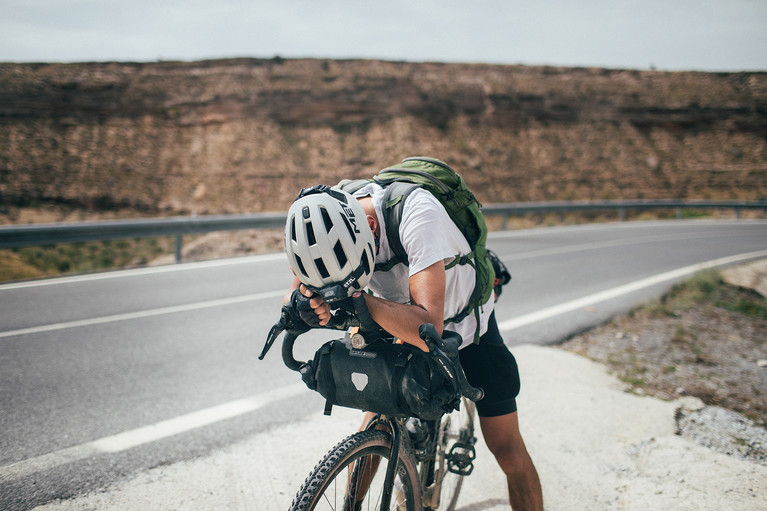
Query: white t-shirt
column 428, row 235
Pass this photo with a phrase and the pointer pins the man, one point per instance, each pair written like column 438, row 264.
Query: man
column 333, row 238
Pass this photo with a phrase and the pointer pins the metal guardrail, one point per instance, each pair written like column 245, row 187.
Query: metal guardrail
column 523, row 208
column 72, row 232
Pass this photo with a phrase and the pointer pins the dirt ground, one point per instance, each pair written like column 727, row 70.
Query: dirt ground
column 706, row 339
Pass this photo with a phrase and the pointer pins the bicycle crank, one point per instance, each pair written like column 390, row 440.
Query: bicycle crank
column 460, row 459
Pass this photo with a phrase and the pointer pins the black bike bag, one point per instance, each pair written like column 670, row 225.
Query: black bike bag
column 397, row 380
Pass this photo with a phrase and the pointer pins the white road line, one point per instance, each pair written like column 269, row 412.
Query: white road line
column 137, row 272
column 147, row 434
column 615, row 292
column 142, row 314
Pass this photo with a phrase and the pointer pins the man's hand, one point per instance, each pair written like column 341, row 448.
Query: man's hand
column 320, row 310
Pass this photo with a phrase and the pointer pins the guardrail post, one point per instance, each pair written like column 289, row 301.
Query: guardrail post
column 504, row 217
column 179, row 241
column 679, row 213
column 737, row 213
column 622, row 214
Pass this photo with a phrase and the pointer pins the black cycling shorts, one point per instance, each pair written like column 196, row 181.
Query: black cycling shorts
column 490, row 365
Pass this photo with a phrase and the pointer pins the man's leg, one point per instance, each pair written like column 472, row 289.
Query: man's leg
column 505, row 442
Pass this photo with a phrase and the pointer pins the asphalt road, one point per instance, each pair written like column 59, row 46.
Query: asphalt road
column 106, row 375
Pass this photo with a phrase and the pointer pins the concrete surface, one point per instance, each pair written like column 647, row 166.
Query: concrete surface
column 752, row 276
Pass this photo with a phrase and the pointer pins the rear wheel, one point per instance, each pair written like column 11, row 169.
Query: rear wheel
column 339, row 479
column 455, row 434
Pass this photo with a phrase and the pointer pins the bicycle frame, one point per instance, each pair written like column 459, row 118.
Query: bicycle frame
column 432, row 482
column 433, row 464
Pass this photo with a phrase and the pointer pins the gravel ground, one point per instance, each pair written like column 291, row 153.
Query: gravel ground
column 595, row 446
column 724, row 431
column 693, row 345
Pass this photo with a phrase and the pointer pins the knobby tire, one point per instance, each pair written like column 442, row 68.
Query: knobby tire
column 327, row 485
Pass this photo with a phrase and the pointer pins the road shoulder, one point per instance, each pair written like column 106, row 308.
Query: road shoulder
column 595, row 446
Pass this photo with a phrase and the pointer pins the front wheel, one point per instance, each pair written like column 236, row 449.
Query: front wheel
column 351, row 477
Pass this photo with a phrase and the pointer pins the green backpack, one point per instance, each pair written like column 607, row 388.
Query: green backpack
column 461, row 205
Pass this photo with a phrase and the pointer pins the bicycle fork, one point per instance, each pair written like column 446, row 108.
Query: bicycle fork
column 391, row 468
column 364, row 469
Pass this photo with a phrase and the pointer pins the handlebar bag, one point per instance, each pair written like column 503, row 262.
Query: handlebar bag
column 397, row 380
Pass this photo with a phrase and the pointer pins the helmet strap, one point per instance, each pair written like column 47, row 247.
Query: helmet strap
column 334, row 292
column 321, row 189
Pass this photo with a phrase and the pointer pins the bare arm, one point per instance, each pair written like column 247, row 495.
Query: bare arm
column 427, row 302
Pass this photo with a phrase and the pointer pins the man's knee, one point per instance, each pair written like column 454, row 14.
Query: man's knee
column 513, row 458
column 505, row 443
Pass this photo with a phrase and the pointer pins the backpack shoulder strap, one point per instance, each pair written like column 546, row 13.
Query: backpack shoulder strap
column 393, row 204
column 352, row 185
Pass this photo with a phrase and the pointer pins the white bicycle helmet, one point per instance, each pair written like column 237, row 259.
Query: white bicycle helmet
column 329, row 242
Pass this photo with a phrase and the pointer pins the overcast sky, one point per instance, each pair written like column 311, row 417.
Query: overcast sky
column 709, row 35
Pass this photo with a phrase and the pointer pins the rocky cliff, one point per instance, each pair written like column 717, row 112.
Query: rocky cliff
column 244, row 135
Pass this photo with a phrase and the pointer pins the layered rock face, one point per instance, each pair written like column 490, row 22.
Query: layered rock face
column 245, row 135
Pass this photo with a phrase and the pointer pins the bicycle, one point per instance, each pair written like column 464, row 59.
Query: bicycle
column 433, row 456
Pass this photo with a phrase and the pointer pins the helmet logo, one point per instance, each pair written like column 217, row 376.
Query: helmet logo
column 350, row 214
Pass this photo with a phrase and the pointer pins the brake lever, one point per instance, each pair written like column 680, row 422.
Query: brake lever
column 428, row 333
column 343, row 320
column 274, row 332
column 438, row 347
column 282, row 324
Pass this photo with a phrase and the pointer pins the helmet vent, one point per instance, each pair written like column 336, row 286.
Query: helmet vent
column 321, row 268
column 310, row 234
column 326, row 219
column 364, row 262
column 349, row 228
column 340, row 254
column 293, row 228
column 301, row 266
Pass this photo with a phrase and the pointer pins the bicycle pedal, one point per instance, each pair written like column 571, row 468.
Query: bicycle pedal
column 460, row 459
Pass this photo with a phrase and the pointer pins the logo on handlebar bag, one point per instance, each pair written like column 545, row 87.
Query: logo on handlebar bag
column 360, row 381
column 362, row 354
